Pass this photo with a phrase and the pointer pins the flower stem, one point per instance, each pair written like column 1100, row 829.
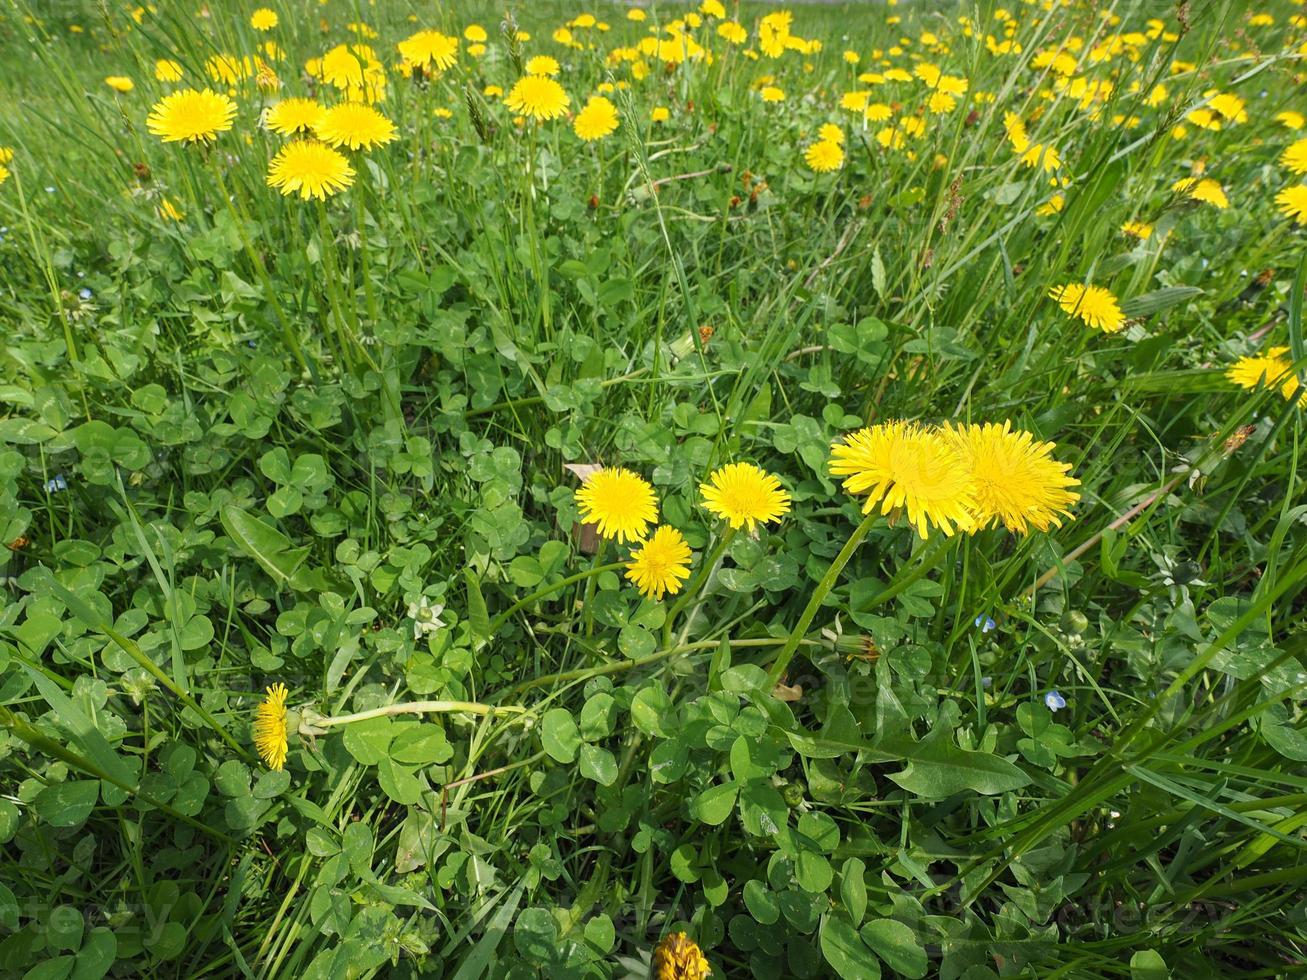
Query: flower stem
column 700, row 583
column 419, row 708
column 504, row 616
column 818, row 597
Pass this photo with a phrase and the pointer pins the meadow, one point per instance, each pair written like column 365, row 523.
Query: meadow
column 659, row 490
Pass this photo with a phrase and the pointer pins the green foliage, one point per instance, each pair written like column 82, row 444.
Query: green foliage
column 336, row 448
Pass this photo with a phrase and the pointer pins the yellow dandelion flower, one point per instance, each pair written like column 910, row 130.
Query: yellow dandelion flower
column 542, row 64
column 188, row 116
column 538, row 97
column 167, row 70
column 1292, row 202
column 1096, row 306
column 354, row 125
column 310, row 169
column 903, row 465
column 270, row 727
column 745, row 495
column 476, row 34
column 621, row 503
column 829, row 131
column 661, row 564
column 770, row 93
column 1017, row 482
column 1295, row 156
column 1138, row 229
column 6, row 154
column 4, row 173
column 824, row 156
column 597, row 120
column 1229, row 106
column 168, row 211
column 877, row 112
column 678, row 957
column 1204, row 189
column 1290, row 119
column 120, row 83
column 430, row 49
column 290, row 117
column 1042, row 155
column 1260, row 369
column 1053, row 205
column 264, row 19
column 660, row 114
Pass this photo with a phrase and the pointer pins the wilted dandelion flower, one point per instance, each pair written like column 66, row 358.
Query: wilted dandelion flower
column 430, row 48
column 1204, row 189
column 270, row 727
column 661, row 564
column 1295, row 157
column 824, row 156
column 621, row 503
column 538, row 97
column 678, row 957
column 745, row 495
column 291, row 117
column 120, row 83
column 189, row 116
column 1093, row 304
column 264, row 19
column 903, row 465
column 1292, row 202
column 1017, row 482
column 310, row 169
column 355, row 125
column 596, row 120
column 167, row 70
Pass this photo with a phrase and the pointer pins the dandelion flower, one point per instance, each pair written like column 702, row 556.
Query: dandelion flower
column 661, row 564
column 189, row 116
column 476, row 33
column 903, row 465
column 270, row 727
column 620, row 502
column 264, row 19
column 824, row 156
column 829, row 131
column 1292, row 202
column 1290, row 119
column 1137, row 229
column 1259, row 369
column 770, row 93
column 6, row 154
column 1205, row 189
column 660, row 114
column 355, row 125
column 537, row 96
column 1295, row 157
column 120, row 83
column 1017, row 482
column 290, row 117
column 542, row 64
column 310, row 169
column 430, row 48
column 678, row 957
column 4, row 173
column 745, row 495
column 167, row 70
column 1093, row 304
column 168, row 211
column 597, row 120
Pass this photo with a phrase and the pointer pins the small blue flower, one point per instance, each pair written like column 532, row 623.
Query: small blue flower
column 987, row 682
column 85, row 294
column 986, row 623
column 57, row 484
column 1054, row 701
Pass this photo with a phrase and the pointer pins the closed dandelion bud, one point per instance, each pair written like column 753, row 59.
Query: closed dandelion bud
column 1074, row 622
column 792, row 794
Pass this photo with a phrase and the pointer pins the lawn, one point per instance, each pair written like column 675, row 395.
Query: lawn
column 543, row 490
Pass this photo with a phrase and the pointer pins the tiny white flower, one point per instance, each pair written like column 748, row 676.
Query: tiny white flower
column 425, row 616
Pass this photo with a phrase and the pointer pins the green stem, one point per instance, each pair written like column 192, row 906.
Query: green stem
column 699, row 584
column 419, row 708
column 586, row 609
column 539, row 594
column 818, row 597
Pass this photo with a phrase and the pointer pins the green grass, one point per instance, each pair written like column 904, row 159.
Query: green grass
column 264, row 431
